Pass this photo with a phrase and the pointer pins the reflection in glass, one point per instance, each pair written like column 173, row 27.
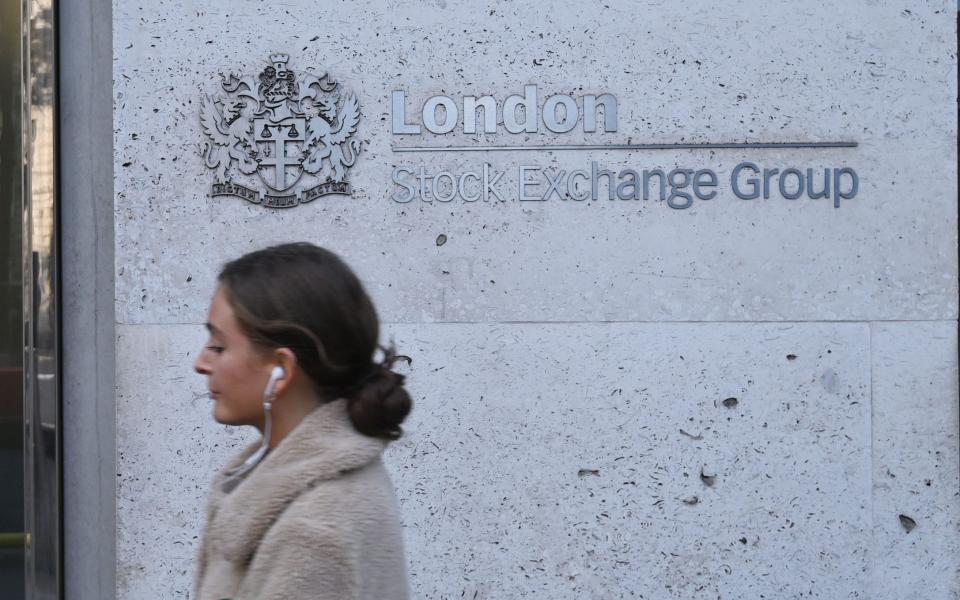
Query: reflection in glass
column 42, row 445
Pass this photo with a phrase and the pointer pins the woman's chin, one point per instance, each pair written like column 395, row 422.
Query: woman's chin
column 222, row 416
column 225, row 416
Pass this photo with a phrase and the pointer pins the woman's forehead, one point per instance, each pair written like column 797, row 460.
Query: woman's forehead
column 221, row 319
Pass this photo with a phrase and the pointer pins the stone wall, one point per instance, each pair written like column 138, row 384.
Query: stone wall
column 613, row 398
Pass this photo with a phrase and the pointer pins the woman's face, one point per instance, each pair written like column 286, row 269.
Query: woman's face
column 236, row 371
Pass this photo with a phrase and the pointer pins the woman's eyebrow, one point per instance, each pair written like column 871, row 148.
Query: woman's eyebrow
column 212, row 329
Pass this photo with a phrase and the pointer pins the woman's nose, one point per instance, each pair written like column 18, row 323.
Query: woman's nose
column 200, row 366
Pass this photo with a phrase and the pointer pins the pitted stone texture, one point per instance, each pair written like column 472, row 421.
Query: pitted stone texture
column 168, row 448
column 916, row 462
column 881, row 75
column 612, row 461
column 561, row 461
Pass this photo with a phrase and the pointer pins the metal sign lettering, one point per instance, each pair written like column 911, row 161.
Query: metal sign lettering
column 292, row 134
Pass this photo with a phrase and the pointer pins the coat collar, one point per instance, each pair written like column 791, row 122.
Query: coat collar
column 323, row 446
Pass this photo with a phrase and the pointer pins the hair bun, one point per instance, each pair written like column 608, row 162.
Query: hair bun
column 380, row 403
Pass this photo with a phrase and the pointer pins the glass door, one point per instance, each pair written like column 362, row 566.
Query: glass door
column 30, row 432
column 12, row 464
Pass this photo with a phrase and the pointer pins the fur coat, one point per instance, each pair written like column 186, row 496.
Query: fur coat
column 316, row 519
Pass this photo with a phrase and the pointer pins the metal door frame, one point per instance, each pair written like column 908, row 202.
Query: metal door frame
column 87, row 313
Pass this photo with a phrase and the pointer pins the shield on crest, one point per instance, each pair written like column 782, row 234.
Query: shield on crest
column 281, row 151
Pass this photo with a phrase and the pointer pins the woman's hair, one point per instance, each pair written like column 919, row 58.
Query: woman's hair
column 304, row 298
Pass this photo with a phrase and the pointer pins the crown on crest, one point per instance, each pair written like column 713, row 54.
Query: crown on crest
column 279, row 59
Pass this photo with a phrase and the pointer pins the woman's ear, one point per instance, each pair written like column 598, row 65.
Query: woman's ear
column 286, row 360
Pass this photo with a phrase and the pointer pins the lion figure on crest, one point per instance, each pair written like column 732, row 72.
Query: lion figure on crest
column 324, row 144
column 230, row 134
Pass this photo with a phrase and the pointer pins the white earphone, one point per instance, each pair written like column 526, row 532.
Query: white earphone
column 276, row 374
column 235, row 476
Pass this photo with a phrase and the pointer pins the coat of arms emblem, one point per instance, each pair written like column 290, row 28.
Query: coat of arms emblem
column 290, row 133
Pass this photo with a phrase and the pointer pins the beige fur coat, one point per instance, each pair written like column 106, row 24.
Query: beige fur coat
column 316, row 519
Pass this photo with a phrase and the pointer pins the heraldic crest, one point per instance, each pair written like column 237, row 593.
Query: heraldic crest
column 291, row 133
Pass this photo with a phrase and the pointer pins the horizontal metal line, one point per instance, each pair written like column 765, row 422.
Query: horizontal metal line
column 694, row 322
column 704, row 146
column 199, row 324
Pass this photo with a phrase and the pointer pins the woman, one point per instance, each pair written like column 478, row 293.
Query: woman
column 308, row 511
